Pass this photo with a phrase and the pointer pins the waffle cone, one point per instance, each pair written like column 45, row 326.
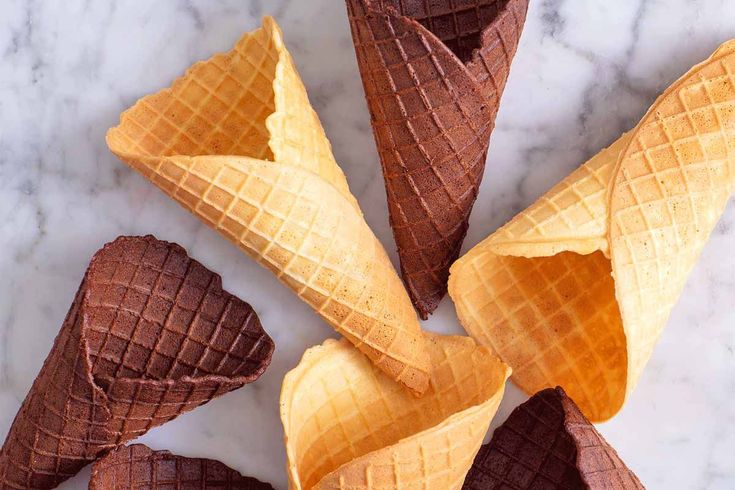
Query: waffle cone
column 548, row 443
column 349, row 426
column 576, row 290
column 150, row 335
column 137, row 467
column 236, row 142
column 433, row 72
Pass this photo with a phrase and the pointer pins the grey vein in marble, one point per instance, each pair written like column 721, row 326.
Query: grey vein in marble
column 584, row 72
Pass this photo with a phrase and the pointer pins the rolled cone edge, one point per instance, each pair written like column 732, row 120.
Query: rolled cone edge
column 68, row 378
column 471, row 423
column 170, row 174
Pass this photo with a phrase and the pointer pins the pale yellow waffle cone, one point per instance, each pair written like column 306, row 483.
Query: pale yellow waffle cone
column 575, row 290
column 236, row 142
column 348, row 426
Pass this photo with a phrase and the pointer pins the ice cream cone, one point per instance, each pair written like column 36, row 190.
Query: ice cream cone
column 150, row 335
column 348, row 425
column 138, row 467
column 433, row 72
column 576, row 290
column 548, row 443
column 236, row 142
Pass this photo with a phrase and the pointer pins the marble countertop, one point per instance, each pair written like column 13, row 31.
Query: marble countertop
column 584, row 72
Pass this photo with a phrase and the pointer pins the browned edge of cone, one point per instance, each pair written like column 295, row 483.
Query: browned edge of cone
column 151, row 334
column 433, row 97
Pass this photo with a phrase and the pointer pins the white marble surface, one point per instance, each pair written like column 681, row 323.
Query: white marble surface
column 585, row 71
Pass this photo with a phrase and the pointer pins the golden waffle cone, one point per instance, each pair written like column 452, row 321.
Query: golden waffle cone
column 236, row 142
column 349, row 426
column 575, row 290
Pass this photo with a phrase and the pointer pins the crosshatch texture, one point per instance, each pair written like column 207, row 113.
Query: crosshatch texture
column 278, row 194
column 546, row 443
column 350, row 427
column 137, row 467
column 150, row 335
column 576, row 290
column 433, row 73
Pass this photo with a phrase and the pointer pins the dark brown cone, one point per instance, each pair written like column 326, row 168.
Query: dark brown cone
column 137, row 467
column 547, row 443
column 150, row 335
column 433, row 72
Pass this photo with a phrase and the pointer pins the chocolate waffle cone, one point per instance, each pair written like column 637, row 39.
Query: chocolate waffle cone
column 150, row 335
column 236, row 142
column 348, row 425
column 137, row 467
column 547, row 443
column 575, row 290
column 433, row 72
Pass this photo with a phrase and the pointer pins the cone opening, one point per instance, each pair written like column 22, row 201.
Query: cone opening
column 336, row 406
column 458, row 25
column 219, row 107
column 152, row 313
column 554, row 319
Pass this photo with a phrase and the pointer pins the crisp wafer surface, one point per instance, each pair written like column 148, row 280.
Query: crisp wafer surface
column 546, row 443
column 433, row 73
column 278, row 195
column 151, row 334
column 349, row 426
column 576, row 290
column 137, row 467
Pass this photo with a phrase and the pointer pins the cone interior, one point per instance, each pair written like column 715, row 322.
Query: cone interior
column 459, row 24
column 543, row 285
column 340, row 407
column 219, row 108
column 649, row 202
column 151, row 313
column 555, row 320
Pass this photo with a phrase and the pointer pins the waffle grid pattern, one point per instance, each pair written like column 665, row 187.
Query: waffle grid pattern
column 291, row 223
column 598, row 463
column 554, row 319
column 295, row 215
column 530, row 450
column 432, row 121
column 218, row 108
column 677, row 178
column 457, row 24
column 575, row 209
column 82, row 404
column 344, row 418
column 296, row 134
column 137, row 467
column 672, row 179
column 547, row 443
